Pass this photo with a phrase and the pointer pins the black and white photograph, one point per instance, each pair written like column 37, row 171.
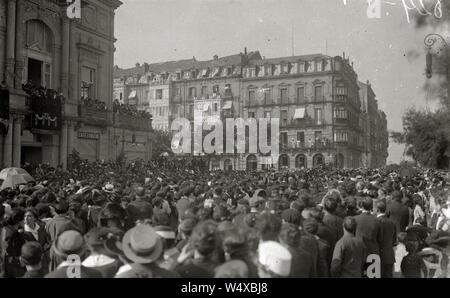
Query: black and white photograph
column 227, row 140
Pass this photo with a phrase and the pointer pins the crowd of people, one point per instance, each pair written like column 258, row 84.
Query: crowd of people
column 169, row 218
column 93, row 103
column 130, row 110
column 42, row 92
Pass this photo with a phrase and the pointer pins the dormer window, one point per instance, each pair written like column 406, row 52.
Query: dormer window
column 193, row 74
column 277, row 70
column 285, row 68
column 319, row 65
column 301, row 67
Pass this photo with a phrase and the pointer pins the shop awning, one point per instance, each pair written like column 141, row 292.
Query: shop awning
column 132, row 94
column 299, row 113
column 228, row 104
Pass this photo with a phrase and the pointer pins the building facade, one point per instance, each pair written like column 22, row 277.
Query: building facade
column 316, row 98
column 376, row 136
column 41, row 46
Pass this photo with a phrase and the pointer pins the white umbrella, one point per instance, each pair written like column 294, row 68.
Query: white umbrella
column 13, row 180
column 5, row 173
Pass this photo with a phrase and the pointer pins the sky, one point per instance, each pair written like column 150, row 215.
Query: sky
column 388, row 51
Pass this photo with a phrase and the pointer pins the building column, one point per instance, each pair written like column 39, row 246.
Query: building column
column 10, row 42
column 20, row 29
column 63, row 146
column 7, row 145
column 70, row 136
column 65, row 58
column 17, row 138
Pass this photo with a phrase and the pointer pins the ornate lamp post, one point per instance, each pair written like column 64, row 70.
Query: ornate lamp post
column 431, row 41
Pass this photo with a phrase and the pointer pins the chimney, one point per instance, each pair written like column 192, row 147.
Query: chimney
column 245, row 50
column 193, row 58
column 343, row 55
column 138, row 64
column 216, row 57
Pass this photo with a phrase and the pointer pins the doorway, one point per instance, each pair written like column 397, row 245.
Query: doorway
column 35, row 72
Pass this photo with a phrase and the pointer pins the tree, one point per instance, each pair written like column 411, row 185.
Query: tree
column 427, row 137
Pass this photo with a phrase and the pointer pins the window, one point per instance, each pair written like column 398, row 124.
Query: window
column 318, row 116
column 340, row 113
column 204, row 91
column 47, row 75
column 121, row 96
column 283, row 139
column 251, row 97
column 284, row 95
column 319, row 66
column 192, row 92
column 267, row 114
column 285, row 68
column 300, row 138
column 318, row 93
column 88, row 82
column 284, row 117
column 215, row 107
column 301, row 95
column 267, row 96
column 340, row 136
column 317, row 136
column 341, row 90
column 191, row 110
column 301, row 67
column 251, row 115
column 159, row 94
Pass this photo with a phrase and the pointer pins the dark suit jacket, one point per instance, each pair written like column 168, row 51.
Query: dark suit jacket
column 301, row 264
column 368, row 229
column 326, row 254
column 388, row 238
column 335, row 223
column 399, row 214
column 328, row 234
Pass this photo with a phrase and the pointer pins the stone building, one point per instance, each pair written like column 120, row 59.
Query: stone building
column 42, row 46
column 315, row 97
column 376, row 137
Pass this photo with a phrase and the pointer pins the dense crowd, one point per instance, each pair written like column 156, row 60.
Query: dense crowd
column 175, row 219
column 130, row 110
column 93, row 103
column 42, row 92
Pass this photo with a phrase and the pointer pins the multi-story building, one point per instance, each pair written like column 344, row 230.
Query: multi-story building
column 42, row 46
column 375, row 128
column 315, row 97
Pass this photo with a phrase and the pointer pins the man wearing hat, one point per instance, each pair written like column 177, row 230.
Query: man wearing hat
column 274, row 260
column 70, row 249
column 140, row 209
column 144, row 248
column 99, row 259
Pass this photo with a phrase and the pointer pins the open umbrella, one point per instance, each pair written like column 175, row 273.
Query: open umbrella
column 13, row 180
column 5, row 173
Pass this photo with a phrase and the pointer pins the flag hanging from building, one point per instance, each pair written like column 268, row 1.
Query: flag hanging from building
column 4, row 110
column 46, row 112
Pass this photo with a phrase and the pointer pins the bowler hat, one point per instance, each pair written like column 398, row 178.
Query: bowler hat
column 69, row 243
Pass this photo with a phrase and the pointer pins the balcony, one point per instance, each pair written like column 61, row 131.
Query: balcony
column 93, row 115
column 324, row 144
column 135, row 122
column 340, row 98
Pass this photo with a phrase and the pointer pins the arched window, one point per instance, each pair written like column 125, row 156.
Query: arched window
column 318, row 160
column 252, row 163
column 215, row 165
column 39, row 36
column 283, row 163
column 300, row 161
column 227, row 165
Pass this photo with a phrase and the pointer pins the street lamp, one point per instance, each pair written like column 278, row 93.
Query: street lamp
column 430, row 40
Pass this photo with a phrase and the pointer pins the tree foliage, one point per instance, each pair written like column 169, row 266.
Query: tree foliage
column 427, row 137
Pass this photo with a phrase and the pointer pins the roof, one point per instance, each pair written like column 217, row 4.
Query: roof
column 289, row 59
column 173, row 66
